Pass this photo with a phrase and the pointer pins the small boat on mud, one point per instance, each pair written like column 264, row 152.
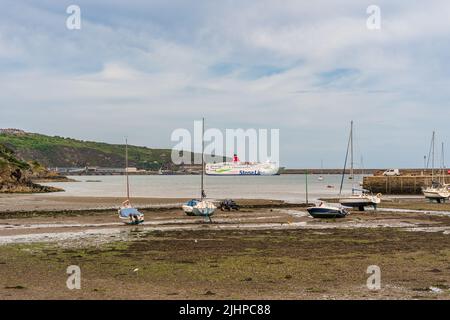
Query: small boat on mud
column 202, row 207
column 239, row 168
column 438, row 191
column 127, row 212
column 363, row 199
column 327, row 211
column 196, row 207
column 131, row 215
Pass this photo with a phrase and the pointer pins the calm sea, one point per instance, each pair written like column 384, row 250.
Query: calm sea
column 290, row 187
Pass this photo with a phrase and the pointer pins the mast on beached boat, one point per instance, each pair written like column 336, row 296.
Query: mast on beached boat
column 349, row 146
column 352, row 173
column 126, row 169
column 202, row 195
column 127, row 212
column 355, row 200
column 200, row 207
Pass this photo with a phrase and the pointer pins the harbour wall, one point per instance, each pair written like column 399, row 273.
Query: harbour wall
column 399, row 185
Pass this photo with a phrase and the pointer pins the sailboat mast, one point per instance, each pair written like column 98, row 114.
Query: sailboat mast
column 126, row 168
column 306, row 185
column 442, row 164
column 345, row 164
column 362, row 166
column 352, row 175
column 203, row 157
column 432, row 157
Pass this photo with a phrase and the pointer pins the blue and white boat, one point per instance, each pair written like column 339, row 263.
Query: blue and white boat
column 327, row 211
column 131, row 215
column 202, row 207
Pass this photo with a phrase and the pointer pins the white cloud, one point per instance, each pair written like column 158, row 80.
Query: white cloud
column 306, row 68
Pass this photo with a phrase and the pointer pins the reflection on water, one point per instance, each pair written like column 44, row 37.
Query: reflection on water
column 289, row 187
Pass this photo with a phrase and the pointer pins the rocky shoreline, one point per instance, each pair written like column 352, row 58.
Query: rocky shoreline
column 18, row 176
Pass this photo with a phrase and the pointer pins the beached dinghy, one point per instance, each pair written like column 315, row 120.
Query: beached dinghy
column 188, row 207
column 127, row 213
column 327, row 211
column 131, row 215
column 196, row 207
column 202, row 207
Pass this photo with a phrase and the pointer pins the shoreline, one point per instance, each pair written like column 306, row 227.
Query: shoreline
column 41, row 204
column 278, row 253
column 34, row 204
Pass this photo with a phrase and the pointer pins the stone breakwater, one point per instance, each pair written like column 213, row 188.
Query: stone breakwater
column 403, row 185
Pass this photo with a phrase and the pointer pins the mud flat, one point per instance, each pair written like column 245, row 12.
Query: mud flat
column 29, row 205
column 256, row 253
column 418, row 203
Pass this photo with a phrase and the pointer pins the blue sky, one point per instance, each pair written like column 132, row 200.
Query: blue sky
column 145, row 68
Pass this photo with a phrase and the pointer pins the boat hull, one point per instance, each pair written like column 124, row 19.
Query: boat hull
column 203, row 211
column 436, row 194
column 131, row 216
column 360, row 201
column 241, row 169
column 318, row 212
column 202, row 208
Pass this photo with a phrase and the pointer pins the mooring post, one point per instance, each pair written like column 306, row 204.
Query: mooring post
column 306, row 182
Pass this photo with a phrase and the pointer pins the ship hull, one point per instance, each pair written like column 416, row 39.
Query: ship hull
column 238, row 169
column 360, row 202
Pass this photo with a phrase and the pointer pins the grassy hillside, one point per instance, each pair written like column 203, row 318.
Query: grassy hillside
column 66, row 152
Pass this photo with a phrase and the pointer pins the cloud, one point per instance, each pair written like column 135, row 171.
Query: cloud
column 145, row 68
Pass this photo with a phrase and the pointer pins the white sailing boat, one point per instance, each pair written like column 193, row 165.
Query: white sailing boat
column 127, row 212
column 200, row 207
column 356, row 200
column 438, row 191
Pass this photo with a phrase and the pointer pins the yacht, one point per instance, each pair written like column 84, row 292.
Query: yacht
column 356, row 200
column 202, row 207
column 327, row 211
column 438, row 191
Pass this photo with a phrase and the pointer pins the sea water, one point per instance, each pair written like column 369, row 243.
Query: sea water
column 288, row 187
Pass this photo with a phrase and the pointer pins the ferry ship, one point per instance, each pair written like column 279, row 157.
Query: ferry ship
column 238, row 168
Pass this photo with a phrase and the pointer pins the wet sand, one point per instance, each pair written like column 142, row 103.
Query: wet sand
column 266, row 250
column 42, row 203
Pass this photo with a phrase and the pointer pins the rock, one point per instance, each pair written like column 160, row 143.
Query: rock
column 16, row 175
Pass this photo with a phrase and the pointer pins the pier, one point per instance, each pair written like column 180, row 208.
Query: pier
column 402, row 185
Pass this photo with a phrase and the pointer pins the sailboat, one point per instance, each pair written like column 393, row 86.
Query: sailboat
column 323, row 210
column 200, row 207
column 320, row 178
column 361, row 182
column 438, row 191
column 127, row 212
column 364, row 198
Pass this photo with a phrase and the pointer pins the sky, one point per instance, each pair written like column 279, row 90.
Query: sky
column 142, row 69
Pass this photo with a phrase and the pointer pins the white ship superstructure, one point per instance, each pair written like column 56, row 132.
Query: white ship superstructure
column 238, row 168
